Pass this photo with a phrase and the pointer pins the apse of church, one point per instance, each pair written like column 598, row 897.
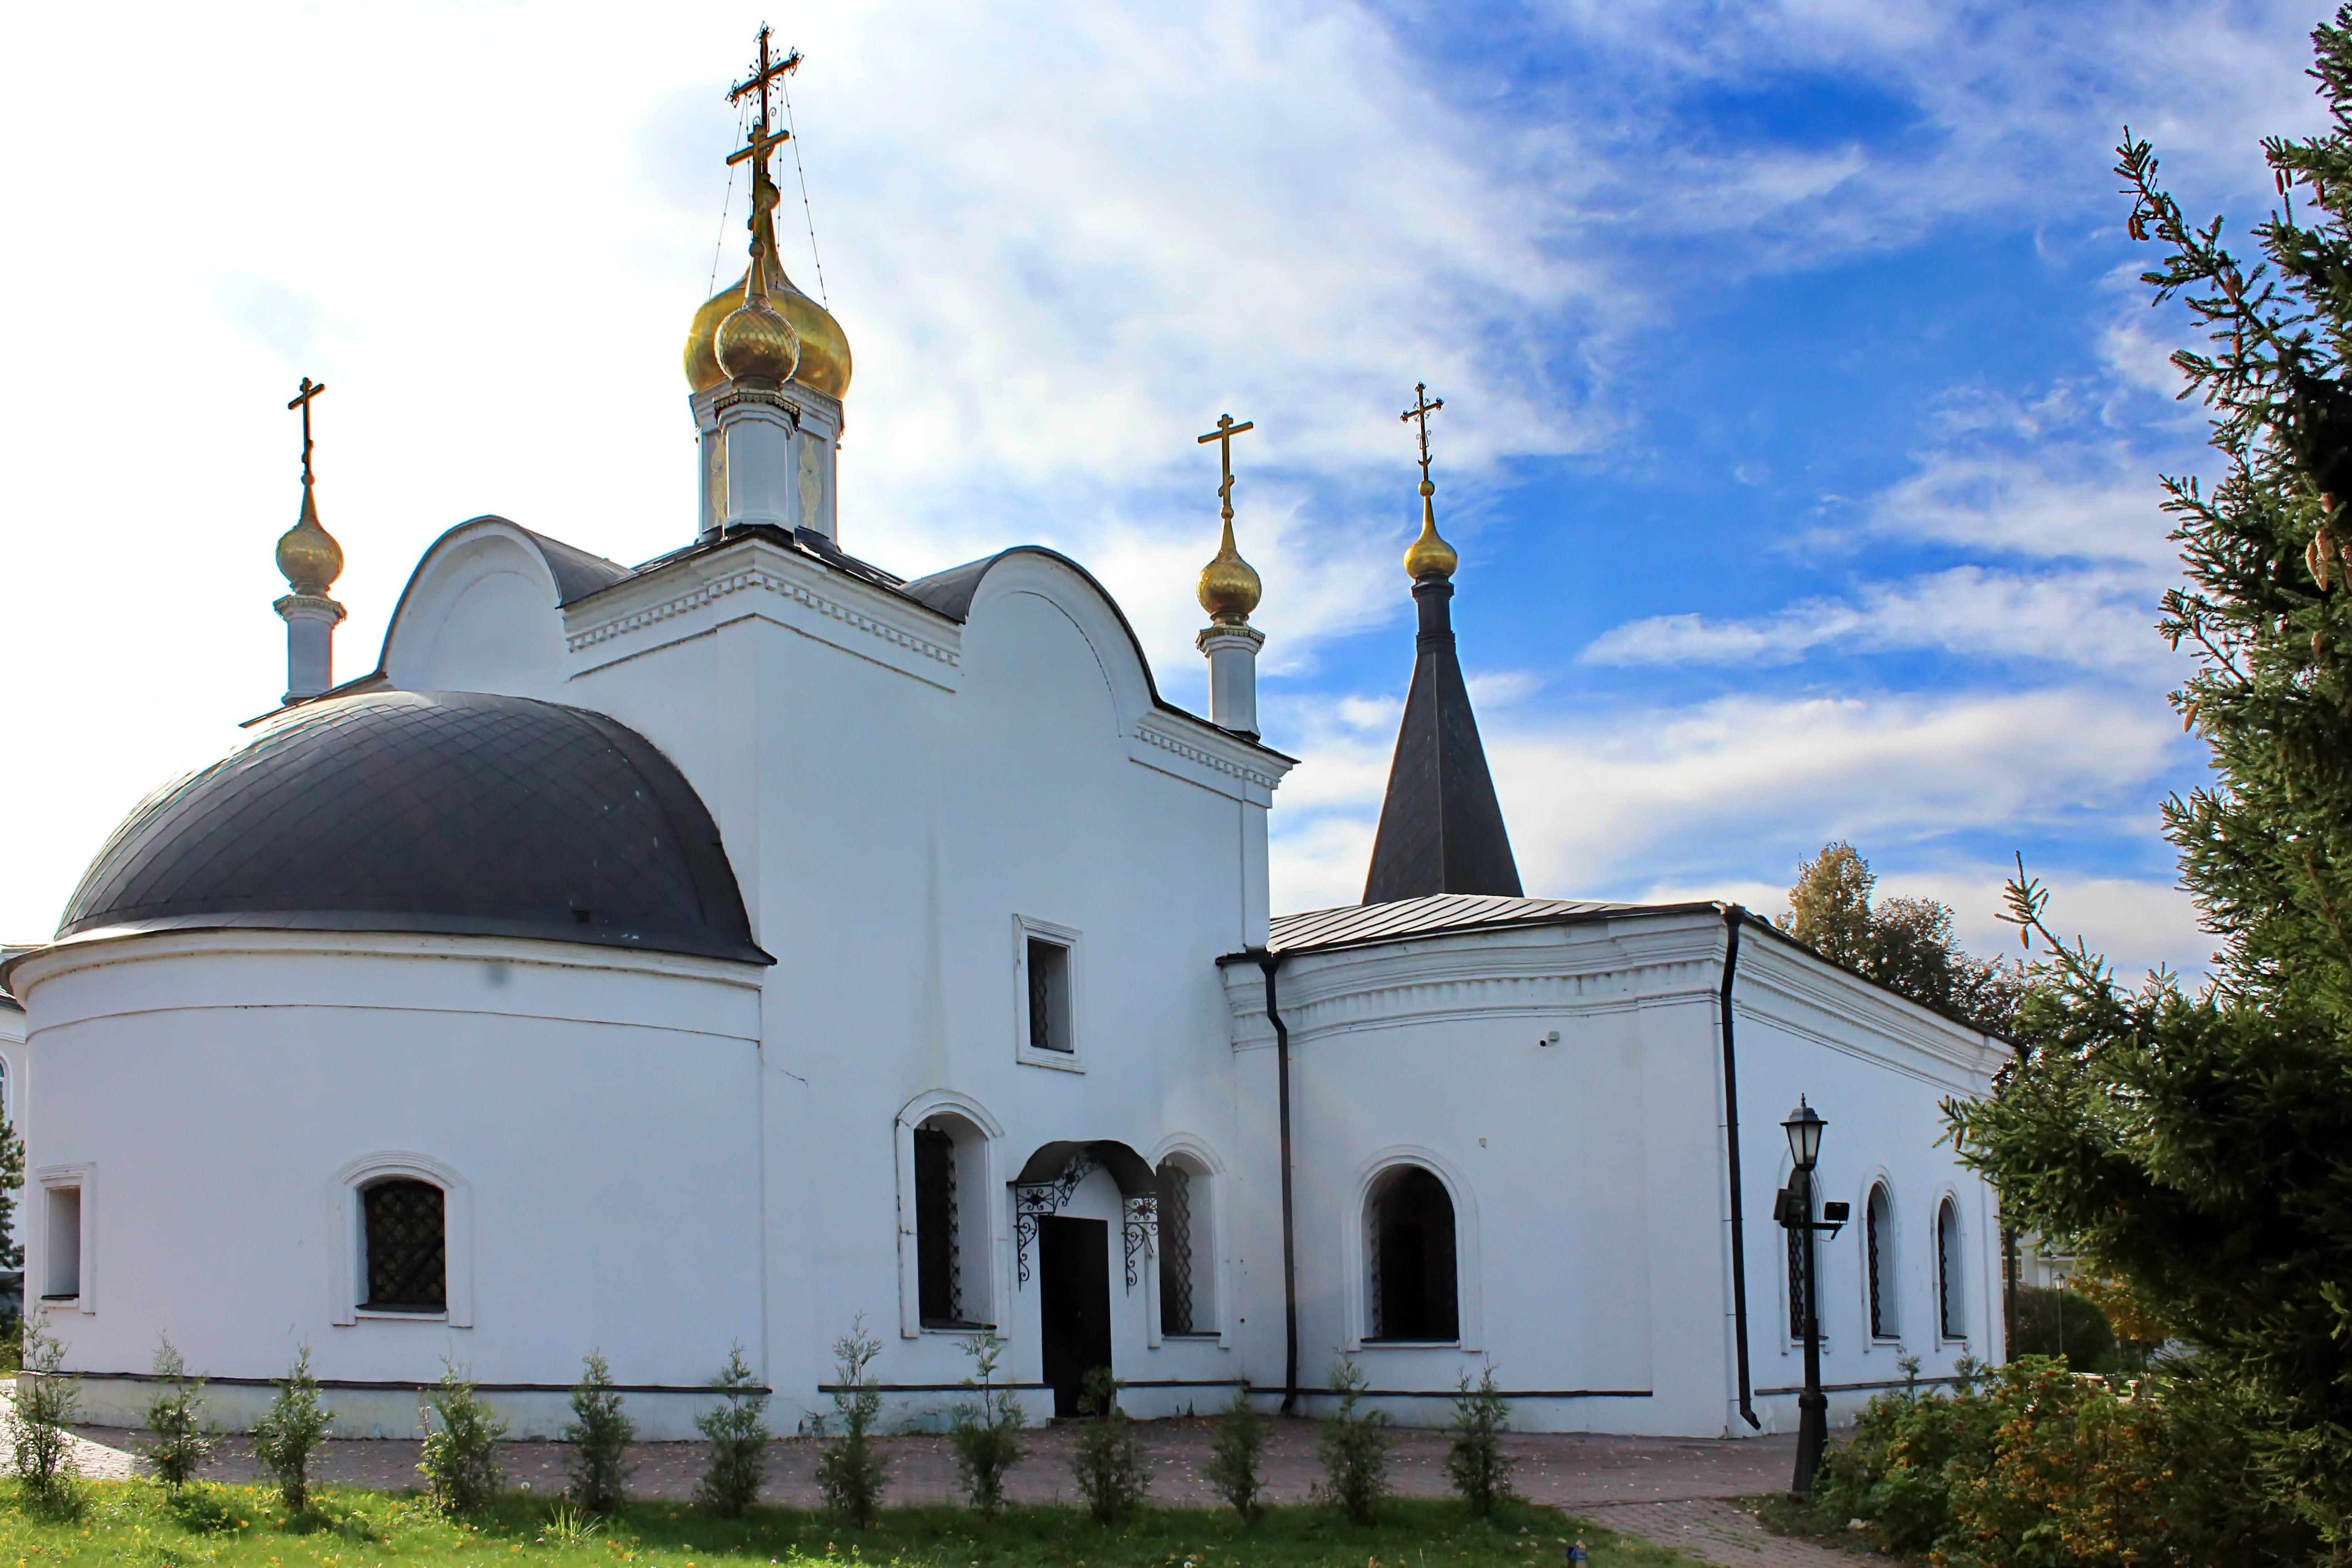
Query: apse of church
column 919, row 954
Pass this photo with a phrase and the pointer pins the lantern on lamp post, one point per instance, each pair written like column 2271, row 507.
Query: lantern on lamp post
column 1794, row 1210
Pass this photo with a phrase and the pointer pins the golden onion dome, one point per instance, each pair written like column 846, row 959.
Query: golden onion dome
column 308, row 554
column 755, row 343
column 1229, row 585
column 1429, row 556
column 824, row 350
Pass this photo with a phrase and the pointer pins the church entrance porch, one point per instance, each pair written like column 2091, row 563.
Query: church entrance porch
column 1073, row 1303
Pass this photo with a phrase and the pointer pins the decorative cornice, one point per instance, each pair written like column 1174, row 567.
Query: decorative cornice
column 747, row 579
column 1625, row 964
column 737, row 396
column 310, row 607
column 1202, row 756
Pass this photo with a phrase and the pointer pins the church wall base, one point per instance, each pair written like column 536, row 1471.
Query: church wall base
column 395, row 1411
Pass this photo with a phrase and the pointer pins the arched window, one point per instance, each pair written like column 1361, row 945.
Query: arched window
column 1949, row 1305
column 404, row 1228
column 950, row 1252
column 1187, row 1252
column 1878, row 1258
column 1409, row 1248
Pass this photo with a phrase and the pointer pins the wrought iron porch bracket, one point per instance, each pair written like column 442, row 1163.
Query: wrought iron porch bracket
column 1034, row 1201
column 1142, row 1228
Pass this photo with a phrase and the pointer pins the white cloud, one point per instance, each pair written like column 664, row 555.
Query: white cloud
column 2137, row 924
column 1744, row 787
column 2094, row 620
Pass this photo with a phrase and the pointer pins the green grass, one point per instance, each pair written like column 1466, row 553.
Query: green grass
column 138, row 1523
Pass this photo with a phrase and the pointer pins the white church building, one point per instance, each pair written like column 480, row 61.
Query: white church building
column 713, row 951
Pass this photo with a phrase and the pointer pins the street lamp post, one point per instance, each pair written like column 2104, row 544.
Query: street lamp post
column 1794, row 1210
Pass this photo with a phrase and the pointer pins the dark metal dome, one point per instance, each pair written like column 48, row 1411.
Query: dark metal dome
column 428, row 811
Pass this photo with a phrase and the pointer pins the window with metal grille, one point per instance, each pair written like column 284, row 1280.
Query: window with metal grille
column 407, row 1247
column 1950, row 1312
column 1878, row 1243
column 1797, row 1239
column 1049, row 996
column 939, row 1229
column 1410, row 1242
column 1175, row 1249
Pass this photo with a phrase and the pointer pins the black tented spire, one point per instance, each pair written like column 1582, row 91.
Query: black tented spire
column 1440, row 827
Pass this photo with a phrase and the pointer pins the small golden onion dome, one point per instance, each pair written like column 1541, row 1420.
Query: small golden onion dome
column 308, row 554
column 1229, row 585
column 824, row 350
column 1429, row 556
column 755, row 343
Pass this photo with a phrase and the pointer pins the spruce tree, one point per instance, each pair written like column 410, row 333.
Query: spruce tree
column 600, row 1432
column 2190, row 1143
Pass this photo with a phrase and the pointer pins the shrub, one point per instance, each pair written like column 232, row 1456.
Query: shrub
column 987, row 1434
column 40, row 1449
column 1236, row 1454
column 460, row 1464
column 737, row 1429
column 1354, row 1447
column 1108, row 1461
column 852, row 1472
column 183, row 1445
column 287, row 1437
column 2063, row 1323
column 2038, row 1465
column 600, row 1434
column 1476, row 1465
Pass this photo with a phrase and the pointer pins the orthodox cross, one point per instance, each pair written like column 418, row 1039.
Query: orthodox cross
column 765, row 72
column 1423, row 405
column 309, row 390
column 1224, row 437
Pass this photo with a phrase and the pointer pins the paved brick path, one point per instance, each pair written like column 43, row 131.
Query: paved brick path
column 1715, row 1530
column 1670, row 1491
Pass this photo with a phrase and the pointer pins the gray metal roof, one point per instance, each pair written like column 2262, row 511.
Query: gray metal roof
column 419, row 811
column 1353, row 925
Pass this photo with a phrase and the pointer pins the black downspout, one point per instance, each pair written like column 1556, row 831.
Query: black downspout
column 1268, row 962
column 1732, row 915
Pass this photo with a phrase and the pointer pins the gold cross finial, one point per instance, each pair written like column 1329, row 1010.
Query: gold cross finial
column 309, row 390
column 765, row 72
column 1423, row 405
column 1224, row 437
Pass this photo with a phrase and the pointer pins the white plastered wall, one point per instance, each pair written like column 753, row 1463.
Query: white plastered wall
column 1594, row 1264
column 596, row 1107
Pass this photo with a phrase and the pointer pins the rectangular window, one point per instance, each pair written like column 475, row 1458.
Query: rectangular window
column 1049, row 996
column 63, row 1281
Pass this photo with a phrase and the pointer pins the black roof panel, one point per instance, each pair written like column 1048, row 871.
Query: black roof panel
column 421, row 811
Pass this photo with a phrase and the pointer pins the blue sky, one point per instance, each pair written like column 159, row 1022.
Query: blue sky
column 1802, row 417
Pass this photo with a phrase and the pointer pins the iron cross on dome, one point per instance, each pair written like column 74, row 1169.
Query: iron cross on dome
column 1224, row 437
column 1423, row 405
column 309, row 390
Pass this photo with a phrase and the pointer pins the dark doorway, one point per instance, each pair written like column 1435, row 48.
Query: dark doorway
column 1073, row 1303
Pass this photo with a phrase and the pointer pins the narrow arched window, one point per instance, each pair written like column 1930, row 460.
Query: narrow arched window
column 938, row 1222
column 405, row 1233
column 1878, row 1247
column 1187, row 1255
column 1950, row 1304
column 950, row 1247
column 1796, row 1240
column 1414, row 1286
